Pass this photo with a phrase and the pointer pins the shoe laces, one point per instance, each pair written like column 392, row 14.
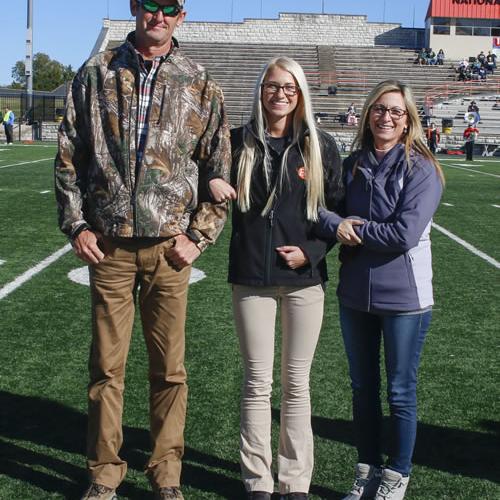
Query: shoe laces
column 385, row 489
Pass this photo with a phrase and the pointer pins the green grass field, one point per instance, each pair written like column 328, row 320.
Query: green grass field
column 44, row 342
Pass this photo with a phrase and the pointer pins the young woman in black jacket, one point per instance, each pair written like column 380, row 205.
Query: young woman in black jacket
column 283, row 170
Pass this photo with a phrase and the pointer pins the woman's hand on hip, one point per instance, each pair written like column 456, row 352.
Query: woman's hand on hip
column 293, row 256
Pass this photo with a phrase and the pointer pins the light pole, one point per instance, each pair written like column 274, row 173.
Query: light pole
column 28, row 65
column 232, row 9
column 384, row 12
column 322, row 6
column 261, row 9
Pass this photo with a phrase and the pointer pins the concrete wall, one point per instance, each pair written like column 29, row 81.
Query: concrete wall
column 288, row 28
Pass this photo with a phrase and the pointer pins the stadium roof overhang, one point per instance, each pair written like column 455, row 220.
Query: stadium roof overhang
column 469, row 9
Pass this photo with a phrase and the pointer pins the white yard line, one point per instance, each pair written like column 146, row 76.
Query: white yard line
column 26, row 276
column 466, row 245
column 468, row 169
column 26, row 163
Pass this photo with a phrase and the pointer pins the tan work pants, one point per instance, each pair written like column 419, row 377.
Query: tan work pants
column 162, row 299
column 301, row 317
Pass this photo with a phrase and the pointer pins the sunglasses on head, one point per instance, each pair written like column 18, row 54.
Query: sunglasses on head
column 152, row 7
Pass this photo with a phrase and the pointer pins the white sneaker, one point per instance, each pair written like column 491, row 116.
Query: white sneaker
column 392, row 485
column 366, row 482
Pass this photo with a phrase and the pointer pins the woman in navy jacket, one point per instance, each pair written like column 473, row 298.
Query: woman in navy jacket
column 393, row 187
column 283, row 171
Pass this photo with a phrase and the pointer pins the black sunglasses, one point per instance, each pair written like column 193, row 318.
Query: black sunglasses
column 152, row 7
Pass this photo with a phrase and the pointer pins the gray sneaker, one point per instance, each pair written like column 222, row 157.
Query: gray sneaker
column 366, row 482
column 99, row 492
column 392, row 485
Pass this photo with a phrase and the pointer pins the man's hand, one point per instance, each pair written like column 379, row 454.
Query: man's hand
column 293, row 256
column 86, row 248
column 183, row 253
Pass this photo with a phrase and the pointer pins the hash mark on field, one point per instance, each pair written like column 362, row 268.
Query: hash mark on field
column 2, row 262
column 468, row 246
column 459, row 167
column 45, row 192
column 496, row 206
column 26, row 163
column 23, row 278
column 447, row 204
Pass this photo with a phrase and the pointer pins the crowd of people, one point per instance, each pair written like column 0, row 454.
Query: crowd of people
column 477, row 67
column 143, row 189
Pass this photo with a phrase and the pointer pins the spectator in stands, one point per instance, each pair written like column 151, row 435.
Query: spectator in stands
column 352, row 119
column 431, row 57
column 481, row 58
column 433, row 138
column 440, row 57
column 422, row 56
column 491, row 61
column 393, row 187
column 473, row 107
column 144, row 130
column 8, row 125
column 284, row 169
column 471, row 133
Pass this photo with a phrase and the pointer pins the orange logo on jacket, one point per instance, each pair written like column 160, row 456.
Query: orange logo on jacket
column 301, row 172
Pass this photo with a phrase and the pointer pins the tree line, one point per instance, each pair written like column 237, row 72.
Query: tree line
column 48, row 73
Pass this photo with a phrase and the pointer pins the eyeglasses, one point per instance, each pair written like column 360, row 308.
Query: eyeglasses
column 395, row 113
column 152, row 7
column 273, row 88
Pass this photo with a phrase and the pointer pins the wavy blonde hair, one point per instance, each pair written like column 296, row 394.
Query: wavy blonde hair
column 303, row 120
column 412, row 138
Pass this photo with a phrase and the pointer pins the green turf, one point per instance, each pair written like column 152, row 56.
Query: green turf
column 44, row 347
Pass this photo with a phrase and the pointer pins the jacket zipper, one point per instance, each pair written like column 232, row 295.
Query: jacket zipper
column 269, row 249
column 369, row 186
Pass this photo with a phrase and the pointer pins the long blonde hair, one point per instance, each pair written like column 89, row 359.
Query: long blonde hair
column 412, row 138
column 303, row 120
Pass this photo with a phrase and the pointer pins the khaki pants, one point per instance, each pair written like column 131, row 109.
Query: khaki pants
column 162, row 299
column 301, row 317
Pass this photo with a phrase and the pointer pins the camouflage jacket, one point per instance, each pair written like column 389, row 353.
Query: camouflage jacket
column 96, row 178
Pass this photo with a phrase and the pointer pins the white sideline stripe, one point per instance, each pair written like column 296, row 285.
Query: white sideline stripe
column 26, row 163
column 466, row 245
column 463, row 168
column 23, row 278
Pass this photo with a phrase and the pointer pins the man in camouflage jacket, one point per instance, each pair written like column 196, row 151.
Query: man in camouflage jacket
column 144, row 130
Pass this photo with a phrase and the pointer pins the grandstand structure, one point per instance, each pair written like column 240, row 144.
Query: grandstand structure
column 343, row 57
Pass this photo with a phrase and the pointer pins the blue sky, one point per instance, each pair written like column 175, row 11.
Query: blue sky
column 66, row 30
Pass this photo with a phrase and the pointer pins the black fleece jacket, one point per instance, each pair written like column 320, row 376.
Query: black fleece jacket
column 253, row 259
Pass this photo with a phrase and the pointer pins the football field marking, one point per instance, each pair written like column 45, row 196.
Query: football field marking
column 496, row 206
column 447, row 204
column 458, row 167
column 26, row 276
column 81, row 273
column 466, row 245
column 2, row 262
column 26, row 163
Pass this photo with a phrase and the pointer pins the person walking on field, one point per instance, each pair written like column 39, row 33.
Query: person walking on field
column 143, row 131
column 433, row 138
column 8, row 124
column 470, row 135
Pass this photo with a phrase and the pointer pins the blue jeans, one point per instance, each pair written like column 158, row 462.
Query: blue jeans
column 404, row 337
